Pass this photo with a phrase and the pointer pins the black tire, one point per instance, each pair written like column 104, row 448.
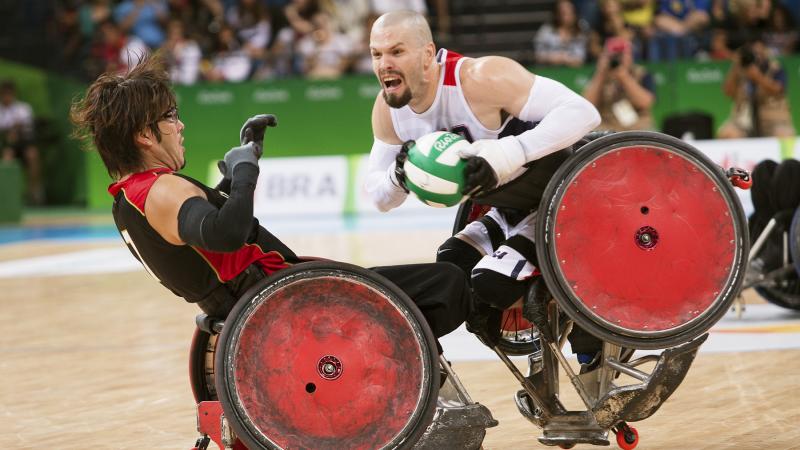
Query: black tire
column 786, row 292
column 560, row 288
column 201, row 366
column 282, row 285
column 794, row 240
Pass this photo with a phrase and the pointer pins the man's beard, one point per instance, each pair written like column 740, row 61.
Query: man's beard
column 395, row 101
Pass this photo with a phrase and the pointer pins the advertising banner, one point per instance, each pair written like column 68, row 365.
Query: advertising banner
column 299, row 186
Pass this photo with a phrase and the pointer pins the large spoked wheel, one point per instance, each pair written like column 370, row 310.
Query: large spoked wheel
column 642, row 240
column 327, row 355
column 785, row 292
column 518, row 337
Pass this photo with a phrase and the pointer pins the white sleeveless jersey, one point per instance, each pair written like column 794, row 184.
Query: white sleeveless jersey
column 449, row 111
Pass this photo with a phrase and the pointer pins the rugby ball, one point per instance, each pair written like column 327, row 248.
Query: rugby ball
column 434, row 171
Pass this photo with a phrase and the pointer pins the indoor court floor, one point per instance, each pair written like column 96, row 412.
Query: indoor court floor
column 95, row 352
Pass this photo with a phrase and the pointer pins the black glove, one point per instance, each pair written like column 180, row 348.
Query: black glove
column 399, row 162
column 479, row 176
column 254, row 128
column 245, row 154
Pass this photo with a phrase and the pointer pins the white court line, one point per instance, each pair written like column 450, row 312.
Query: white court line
column 96, row 261
column 460, row 345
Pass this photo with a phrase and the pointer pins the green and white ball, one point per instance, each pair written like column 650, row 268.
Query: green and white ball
column 434, row 171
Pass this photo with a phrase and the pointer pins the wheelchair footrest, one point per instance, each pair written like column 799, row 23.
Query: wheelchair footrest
column 462, row 427
column 574, row 427
column 640, row 401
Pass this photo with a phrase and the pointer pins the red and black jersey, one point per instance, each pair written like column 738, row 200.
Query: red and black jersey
column 190, row 272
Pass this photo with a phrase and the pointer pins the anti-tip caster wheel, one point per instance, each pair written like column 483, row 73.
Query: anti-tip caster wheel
column 627, row 436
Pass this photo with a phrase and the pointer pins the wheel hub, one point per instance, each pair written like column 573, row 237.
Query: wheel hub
column 646, row 238
column 329, row 367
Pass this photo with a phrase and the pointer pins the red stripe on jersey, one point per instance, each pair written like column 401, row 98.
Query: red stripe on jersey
column 228, row 265
column 450, row 68
column 137, row 186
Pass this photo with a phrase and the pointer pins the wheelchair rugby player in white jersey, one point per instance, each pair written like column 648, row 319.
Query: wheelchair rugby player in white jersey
column 493, row 102
column 524, row 131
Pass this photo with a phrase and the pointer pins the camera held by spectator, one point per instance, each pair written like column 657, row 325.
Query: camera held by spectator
column 757, row 84
column 622, row 91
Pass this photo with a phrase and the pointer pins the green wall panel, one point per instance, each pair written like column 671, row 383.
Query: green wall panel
column 319, row 118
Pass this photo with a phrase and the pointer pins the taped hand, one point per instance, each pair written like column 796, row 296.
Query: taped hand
column 398, row 175
column 245, row 154
column 502, row 157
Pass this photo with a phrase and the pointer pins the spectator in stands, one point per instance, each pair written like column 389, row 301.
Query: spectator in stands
column 229, row 62
column 348, row 16
column 680, row 25
column 750, row 13
column 638, row 16
column 73, row 44
column 252, row 22
column 380, row 7
column 610, row 24
column 299, row 17
column 113, row 51
column 718, row 49
column 562, row 42
column 781, row 36
column 793, row 6
column 324, row 53
column 757, row 84
column 17, row 139
column 182, row 54
column 91, row 14
column 724, row 31
column 144, row 19
column 363, row 57
column 622, row 91
column 202, row 20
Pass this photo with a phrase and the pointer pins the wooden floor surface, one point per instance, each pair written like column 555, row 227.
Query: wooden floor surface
column 100, row 362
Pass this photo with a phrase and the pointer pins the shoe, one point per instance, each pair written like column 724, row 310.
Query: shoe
column 534, row 308
column 588, row 361
column 484, row 322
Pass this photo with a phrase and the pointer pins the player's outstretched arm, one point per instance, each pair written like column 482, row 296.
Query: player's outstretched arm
column 382, row 185
column 181, row 214
column 504, row 85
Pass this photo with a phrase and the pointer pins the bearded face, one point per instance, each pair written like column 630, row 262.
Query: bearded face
column 396, row 91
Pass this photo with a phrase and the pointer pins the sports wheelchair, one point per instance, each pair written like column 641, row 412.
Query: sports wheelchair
column 641, row 241
column 774, row 270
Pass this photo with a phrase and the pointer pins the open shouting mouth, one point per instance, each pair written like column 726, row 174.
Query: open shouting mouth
column 392, row 83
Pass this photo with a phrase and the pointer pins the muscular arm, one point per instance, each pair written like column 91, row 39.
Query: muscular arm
column 496, row 84
column 380, row 184
column 164, row 202
column 180, row 213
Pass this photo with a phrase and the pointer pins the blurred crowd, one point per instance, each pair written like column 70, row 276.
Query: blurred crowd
column 236, row 40
column 665, row 30
column 225, row 40
column 617, row 35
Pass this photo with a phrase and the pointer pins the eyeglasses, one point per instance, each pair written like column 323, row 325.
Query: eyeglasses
column 171, row 115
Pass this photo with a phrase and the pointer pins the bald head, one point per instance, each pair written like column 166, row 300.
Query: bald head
column 410, row 26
